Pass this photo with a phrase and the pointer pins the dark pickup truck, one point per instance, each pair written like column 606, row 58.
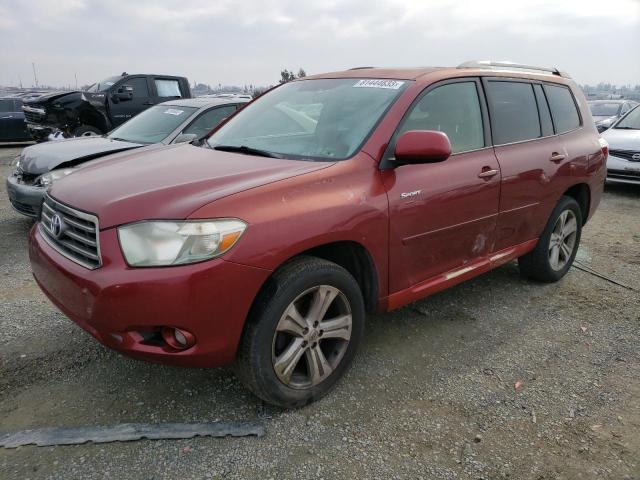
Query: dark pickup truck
column 102, row 107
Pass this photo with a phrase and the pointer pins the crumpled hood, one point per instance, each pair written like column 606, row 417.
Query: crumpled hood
column 49, row 96
column 43, row 157
column 621, row 139
column 169, row 182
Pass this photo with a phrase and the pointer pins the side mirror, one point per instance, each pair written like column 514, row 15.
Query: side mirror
column 422, row 146
column 185, row 137
column 124, row 93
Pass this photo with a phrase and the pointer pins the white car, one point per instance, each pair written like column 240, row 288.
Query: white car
column 623, row 164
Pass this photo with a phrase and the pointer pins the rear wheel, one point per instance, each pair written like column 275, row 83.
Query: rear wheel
column 86, row 131
column 302, row 334
column 557, row 247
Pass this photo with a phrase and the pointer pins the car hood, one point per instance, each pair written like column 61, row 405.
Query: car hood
column 169, row 182
column 621, row 139
column 43, row 157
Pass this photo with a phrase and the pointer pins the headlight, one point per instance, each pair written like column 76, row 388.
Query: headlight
column 48, row 178
column 161, row 243
column 15, row 163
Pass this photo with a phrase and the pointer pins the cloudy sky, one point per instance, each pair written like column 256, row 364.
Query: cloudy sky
column 250, row 41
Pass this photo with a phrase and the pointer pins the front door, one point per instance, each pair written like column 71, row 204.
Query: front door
column 123, row 110
column 443, row 215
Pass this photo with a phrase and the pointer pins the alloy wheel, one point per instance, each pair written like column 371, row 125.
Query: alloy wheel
column 311, row 337
column 563, row 240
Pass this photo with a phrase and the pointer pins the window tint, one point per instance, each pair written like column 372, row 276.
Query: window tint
column 140, row 87
column 563, row 108
column 453, row 109
column 168, row 88
column 543, row 109
column 514, row 113
column 6, row 105
column 205, row 122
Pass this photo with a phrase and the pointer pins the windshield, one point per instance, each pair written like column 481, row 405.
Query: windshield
column 103, row 85
column 631, row 121
column 604, row 109
column 311, row 119
column 153, row 125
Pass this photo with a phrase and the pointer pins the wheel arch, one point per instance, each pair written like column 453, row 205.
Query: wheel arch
column 581, row 193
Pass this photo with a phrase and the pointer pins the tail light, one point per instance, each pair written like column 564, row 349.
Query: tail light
column 604, row 146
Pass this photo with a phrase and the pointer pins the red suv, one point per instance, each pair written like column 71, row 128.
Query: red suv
column 324, row 199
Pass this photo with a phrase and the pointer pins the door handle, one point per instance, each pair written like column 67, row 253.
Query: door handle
column 488, row 173
column 557, row 157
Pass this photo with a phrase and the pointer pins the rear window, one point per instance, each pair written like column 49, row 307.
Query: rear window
column 563, row 108
column 514, row 112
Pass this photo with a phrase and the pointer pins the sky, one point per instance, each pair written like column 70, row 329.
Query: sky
column 238, row 42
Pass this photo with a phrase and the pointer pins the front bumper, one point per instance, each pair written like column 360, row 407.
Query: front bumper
column 122, row 306
column 620, row 170
column 25, row 199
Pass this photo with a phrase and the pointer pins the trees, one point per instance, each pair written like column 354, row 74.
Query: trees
column 287, row 76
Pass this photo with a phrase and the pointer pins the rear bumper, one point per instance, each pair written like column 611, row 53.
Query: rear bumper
column 122, row 306
column 25, row 199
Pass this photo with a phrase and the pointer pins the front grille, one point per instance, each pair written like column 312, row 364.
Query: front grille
column 71, row 232
column 626, row 154
column 624, row 174
column 33, row 117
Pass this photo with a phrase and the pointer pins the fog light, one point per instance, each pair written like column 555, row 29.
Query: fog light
column 177, row 338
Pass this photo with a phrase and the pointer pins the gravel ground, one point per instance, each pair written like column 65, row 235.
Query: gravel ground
column 432, row 393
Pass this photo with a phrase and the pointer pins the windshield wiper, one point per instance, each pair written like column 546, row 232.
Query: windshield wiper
column 247, row 150
column 626, row 128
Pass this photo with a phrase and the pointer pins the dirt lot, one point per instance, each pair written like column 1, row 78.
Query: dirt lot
column 431, row 393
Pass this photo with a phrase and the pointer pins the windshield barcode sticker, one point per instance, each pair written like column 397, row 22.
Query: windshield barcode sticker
column 173, row 111
column 371, row 83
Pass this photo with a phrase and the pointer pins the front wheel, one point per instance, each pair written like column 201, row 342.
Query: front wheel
column 302, row 333
column 86, row 131
column 557, row 247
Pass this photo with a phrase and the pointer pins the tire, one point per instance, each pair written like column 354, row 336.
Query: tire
column 86, row 131
column 541, row 264
column 281, row 323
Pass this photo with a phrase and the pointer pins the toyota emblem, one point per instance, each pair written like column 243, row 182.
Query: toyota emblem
column 56, row 225
column 636, row 157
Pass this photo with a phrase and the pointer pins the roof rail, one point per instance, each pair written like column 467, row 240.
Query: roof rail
column 360, row 68
column 510, row 66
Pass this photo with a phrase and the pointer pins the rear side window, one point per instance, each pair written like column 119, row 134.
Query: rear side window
column 514, row 112
column 6, row 105
column 453, row 109
column 563, row 108
column 168, row 88
column 543, row 109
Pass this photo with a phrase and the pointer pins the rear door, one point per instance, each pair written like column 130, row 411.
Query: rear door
column 141, row 99
column 532, row 158
column 443, row 215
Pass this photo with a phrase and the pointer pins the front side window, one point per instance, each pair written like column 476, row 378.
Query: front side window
column 514, row 112
column 325, row 119
column 205, row 122
column 140, row 87
column 631, row 121
column 563, row 108
column 453, row 109
column 103, row 85
column 152, row 125
column 168, row 88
